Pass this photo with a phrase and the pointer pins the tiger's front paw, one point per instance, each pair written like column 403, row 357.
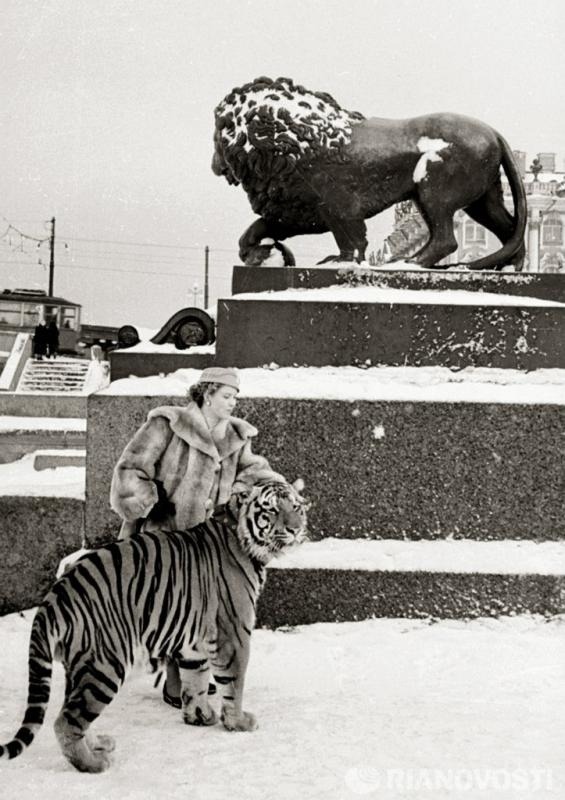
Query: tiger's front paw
column 244, row 722
column 201, row 714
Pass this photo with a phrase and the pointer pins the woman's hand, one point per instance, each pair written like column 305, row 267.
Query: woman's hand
column 163, row 509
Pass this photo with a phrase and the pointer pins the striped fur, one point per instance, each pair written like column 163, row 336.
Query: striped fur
column 188, row 596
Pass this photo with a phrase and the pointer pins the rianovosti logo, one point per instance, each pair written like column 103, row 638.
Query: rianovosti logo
column 471, row 781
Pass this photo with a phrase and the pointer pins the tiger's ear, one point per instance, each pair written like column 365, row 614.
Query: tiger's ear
column 298, row 487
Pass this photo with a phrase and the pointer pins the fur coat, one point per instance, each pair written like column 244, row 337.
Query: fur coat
column 171, row 474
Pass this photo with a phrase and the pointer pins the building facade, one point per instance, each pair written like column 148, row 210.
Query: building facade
column 545, row 238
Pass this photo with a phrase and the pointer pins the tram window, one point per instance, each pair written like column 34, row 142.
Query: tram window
column 31, row 314
column 51, row 313
column 69, row 318
column 10, row 314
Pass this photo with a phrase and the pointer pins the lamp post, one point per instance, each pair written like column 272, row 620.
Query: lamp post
column 195, row 292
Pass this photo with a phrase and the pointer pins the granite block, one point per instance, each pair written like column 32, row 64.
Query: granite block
column 42, row 405
column 15, row 444
column 398, row 470
column 546, row 286
column 301, row 597
column 36, row 533
column 124, row 363
column 256, row 332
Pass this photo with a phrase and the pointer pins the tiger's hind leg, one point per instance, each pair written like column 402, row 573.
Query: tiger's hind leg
column 88, row 692
column 195, row 675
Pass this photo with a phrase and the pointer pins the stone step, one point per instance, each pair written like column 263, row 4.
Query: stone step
column 547, row 286
column 54, row 376
column 42, row 387
column 158, row 359
column 398, row 454
column 304, row 596
column 52, row 381
column 22, row 435
column 51, row 459
column 396, row 327
column 337, row 581
column 59, row 366
column 63, row 377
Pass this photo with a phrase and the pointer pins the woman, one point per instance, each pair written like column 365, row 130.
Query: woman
column 182, row 463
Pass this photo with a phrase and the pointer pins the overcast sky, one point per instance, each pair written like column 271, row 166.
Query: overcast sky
column 107, row 120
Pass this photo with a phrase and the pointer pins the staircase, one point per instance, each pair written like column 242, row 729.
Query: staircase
column 426, row 415
column 61, row 375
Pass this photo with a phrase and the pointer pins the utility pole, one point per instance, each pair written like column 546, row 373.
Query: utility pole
column 206, row 269
column 52, row 257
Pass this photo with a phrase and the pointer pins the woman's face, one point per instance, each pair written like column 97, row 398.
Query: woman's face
column 223, row 401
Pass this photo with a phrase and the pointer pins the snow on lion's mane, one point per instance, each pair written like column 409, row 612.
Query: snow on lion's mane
column 265, row 127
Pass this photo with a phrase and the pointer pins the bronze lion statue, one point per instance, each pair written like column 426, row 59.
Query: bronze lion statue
column 310, row 166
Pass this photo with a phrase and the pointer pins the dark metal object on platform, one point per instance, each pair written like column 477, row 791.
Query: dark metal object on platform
column 127, row 336
column 310, row 166
column 262, row 254
column 187, row 328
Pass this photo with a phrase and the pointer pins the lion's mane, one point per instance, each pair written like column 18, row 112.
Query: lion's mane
column 268, row 131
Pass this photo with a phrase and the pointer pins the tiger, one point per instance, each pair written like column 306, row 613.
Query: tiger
column 186, row 596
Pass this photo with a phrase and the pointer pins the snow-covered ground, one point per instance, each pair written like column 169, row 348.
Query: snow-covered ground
column 382, row 708
column 10, row 424
column 21, row 479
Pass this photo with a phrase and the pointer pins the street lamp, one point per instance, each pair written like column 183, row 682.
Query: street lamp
column 195, row 292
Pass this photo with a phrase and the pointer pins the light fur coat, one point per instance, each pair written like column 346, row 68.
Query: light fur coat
column 175, row 447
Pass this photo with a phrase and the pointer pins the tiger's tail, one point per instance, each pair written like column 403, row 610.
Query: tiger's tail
column 40, row 669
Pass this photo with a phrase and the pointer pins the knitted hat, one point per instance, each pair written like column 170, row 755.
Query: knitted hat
column 225, row 376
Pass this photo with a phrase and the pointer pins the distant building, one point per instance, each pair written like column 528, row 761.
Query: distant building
column 545, row 245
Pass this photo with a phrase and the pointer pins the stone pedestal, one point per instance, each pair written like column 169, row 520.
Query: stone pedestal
column 296, row 330
column 405, row 470
column 531, row 284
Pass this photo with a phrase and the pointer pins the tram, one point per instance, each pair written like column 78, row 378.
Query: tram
column 21, row 310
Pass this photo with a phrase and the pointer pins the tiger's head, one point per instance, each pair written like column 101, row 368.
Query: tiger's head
column 271, row 518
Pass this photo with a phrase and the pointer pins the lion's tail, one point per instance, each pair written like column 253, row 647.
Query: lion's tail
column 511, row 247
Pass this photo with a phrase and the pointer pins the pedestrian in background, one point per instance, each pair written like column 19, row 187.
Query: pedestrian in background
column 52, row 339
column 40, row 338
